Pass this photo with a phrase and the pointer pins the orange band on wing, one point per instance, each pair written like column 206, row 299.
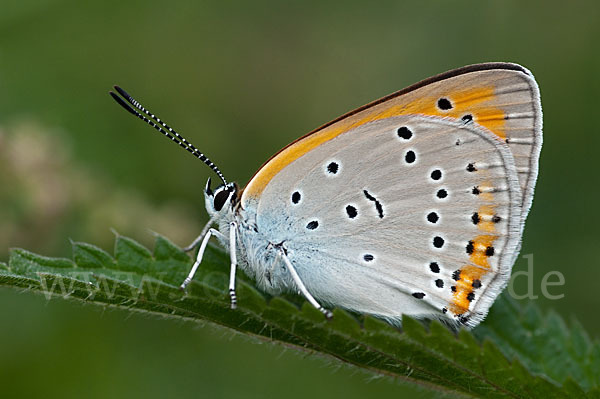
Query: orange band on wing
column 466, row 102
column 470, row 275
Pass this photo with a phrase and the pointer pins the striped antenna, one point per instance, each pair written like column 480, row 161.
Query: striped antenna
column 172, row 134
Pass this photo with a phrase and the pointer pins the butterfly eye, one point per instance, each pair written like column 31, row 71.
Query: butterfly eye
column 220, row 199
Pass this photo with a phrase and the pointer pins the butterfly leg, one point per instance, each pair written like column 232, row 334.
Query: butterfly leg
column 201, row 236
column 211, row 232
column 232, row 254
column 194, row 243
column 302, row 288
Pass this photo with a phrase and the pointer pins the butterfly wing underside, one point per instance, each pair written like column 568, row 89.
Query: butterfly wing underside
column 383, row 222
column 384, row 234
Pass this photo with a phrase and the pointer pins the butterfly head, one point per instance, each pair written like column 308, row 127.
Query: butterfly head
column 222, row 199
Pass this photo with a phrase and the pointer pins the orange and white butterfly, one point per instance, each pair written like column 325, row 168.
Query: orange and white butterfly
column 413, row 204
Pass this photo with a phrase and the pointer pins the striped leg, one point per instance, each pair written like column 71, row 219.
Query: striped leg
column 211, row 232
column 232, row 254
column 302, row 288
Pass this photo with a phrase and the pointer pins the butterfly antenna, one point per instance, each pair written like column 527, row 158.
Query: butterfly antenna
column 154, row 121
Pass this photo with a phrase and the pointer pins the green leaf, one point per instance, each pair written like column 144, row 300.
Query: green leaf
column 517, row 352
column 543, row 343
column 90, row 256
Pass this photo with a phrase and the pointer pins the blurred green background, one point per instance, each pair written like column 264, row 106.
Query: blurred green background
column 241, row 80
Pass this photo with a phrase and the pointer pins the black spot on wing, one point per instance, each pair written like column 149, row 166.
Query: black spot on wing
column 404, row 133
column 296, row 197
column 433, row 217
column 312, row 225
column 351, row 211
column 442, row 193
column 434, row 267
column 333, row 168
column 470, row 247
column 378, row 205
column 444, row 104
column 456, row 275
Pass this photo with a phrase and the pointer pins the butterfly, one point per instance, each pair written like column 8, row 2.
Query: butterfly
column 413, row 204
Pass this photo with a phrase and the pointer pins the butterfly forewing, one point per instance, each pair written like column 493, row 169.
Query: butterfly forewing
column 503, row 98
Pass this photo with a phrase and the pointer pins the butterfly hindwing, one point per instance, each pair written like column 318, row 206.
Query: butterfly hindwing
column 409, row 214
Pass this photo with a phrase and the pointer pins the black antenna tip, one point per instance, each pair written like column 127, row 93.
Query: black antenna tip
column 122, row 103
column 122, row 92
